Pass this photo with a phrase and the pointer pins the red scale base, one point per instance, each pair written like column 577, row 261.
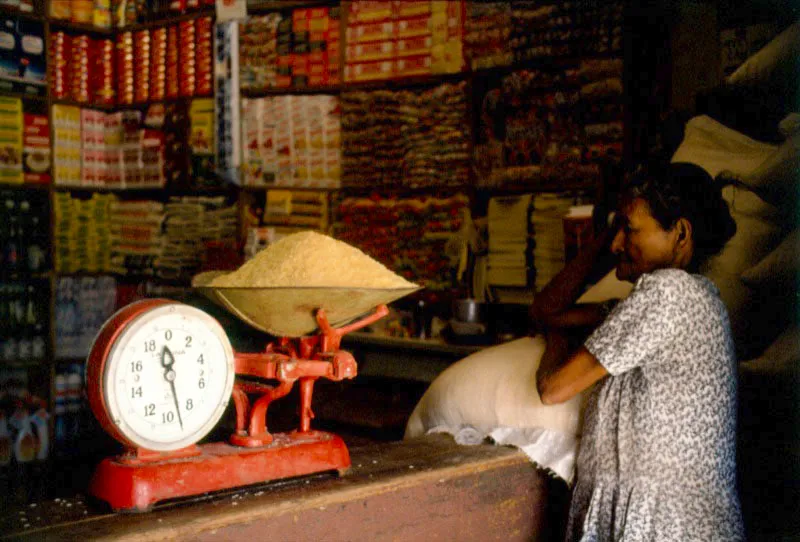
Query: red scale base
column 137, row 484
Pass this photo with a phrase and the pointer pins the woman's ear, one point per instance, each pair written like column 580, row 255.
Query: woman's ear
column 683, row 249
column 684, row 231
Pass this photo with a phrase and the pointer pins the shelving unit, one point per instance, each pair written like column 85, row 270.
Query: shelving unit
column 40, row 374
column 477, row 195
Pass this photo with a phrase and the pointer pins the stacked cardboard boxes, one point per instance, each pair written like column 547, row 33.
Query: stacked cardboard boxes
column 395, row 39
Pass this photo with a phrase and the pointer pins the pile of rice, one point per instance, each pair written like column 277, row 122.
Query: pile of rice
column 311, row 259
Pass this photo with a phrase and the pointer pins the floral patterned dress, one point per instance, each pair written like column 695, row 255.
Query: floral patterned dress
column 657, row 460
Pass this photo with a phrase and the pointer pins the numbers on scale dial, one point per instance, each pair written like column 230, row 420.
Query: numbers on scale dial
column 167, row 379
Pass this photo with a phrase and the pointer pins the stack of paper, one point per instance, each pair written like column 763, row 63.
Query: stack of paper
column 508, row 219
column 549, row 211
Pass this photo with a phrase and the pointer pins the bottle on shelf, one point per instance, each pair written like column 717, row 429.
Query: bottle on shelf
column 5, row 441
column 61, row 430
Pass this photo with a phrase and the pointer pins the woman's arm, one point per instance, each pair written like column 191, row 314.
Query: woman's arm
column 558, row 382
column 553, row 305
column 560, row 376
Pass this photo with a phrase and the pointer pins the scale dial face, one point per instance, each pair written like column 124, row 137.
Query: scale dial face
column 167, row 376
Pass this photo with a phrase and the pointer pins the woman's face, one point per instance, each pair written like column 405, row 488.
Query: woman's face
column 641, row 244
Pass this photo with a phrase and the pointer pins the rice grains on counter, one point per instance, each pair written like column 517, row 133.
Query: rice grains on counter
column 311, row 259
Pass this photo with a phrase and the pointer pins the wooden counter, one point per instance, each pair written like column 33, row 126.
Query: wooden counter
column 424, row 489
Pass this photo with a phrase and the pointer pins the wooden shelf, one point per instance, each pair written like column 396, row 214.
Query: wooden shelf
column 26, row 15
column 104, row 189
column 25, row 364
column 400, row 83
column 281, row 5
column 290, row 188
column 336, row 89
column 127, row 107
column 86, row 105
column 169, row 20
column 69, row 26
column 24, row 96
column 145, row 25
column 183, row 282
column 23, row 275
column 433, row 191
column 26, row 187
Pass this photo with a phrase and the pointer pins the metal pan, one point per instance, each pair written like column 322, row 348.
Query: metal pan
column 289, row 311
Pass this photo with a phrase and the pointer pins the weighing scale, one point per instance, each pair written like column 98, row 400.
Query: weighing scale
column 160, row 375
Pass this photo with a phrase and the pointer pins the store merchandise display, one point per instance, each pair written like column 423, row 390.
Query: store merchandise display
column 192, row 223
column 551, row 126
column 108, row 150
column 141, row 238
column 81, row 68
column 137, row 236
column 258, row 52
column 134, row 67
column 306, row 209
column 24, row 311
column 292, row 141
column 201, row 143
column 24, row 426
column 82, row 305
column 504, row 33
column 72, row 417
column 408, row 235
column 36, row 148
column 177, row 150
column 390, row 39
column 11, row 130
column 108, row 14
column 298, row 48
column 226, row 144
column 24, row 229
column 81, row 233
column 407, row 138
column 486, row 31
column 23, row 58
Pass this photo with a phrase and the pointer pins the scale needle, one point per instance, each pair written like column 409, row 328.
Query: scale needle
column 167, row 360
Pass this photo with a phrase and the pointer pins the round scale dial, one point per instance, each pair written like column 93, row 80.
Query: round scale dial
column 160, row 375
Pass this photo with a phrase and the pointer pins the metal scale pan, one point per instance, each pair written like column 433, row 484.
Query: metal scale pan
column 288, row 311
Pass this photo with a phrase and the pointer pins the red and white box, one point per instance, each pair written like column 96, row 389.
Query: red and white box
column 420, row 45
column 365, row 33
column 365, row 11
column 411, row 66
column 36, row 149
column 411, row 28
column 412, row 8
column 369, row 71
column 368, row 52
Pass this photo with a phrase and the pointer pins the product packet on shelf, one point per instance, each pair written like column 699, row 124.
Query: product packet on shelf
column 36, row 149
column 11, row 128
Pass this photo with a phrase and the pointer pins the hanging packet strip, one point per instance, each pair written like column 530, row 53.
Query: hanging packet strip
column 10, row 141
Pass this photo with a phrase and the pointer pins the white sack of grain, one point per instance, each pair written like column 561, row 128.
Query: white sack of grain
column 492, row 393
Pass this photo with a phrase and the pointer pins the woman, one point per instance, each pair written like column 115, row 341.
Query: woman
column 657, row 455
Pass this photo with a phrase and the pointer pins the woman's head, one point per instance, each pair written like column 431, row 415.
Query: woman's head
column 670, row 217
